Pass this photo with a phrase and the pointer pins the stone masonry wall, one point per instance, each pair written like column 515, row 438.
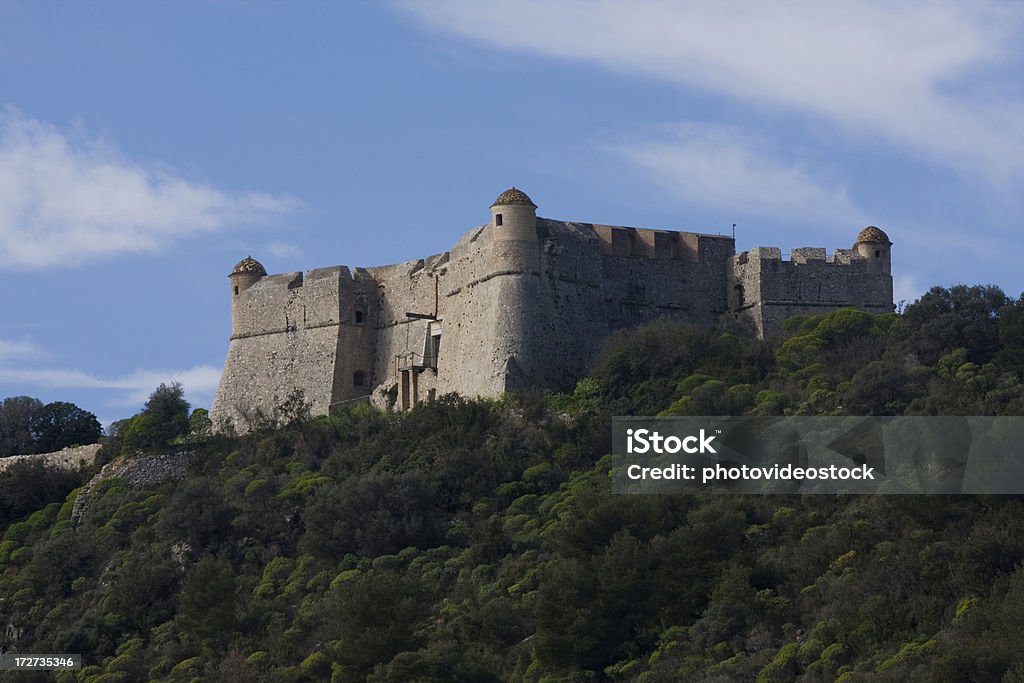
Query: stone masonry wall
column 769, row 289
column 285, row 339
column 68, row 458
column 135, row 472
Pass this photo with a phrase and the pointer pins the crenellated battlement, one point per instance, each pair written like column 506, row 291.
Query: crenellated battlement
column 800, row 256
column 767, row 288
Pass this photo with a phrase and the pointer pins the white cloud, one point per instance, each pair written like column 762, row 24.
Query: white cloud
column 199, row 381
column 282, row 250
column 723, row 167
column 940, row 78
column 65, row 200
column 10, row 348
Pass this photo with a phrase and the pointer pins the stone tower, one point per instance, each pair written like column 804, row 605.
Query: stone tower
column 515, row 255
column 874, row 245
column 514, row 216
column 244, row 275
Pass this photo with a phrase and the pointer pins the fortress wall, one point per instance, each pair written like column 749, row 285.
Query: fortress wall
column 261, row 372
column 810, row 283
column 743, row 286
column 590, row 283
column 568, row 323
column 359, row 312
column 470, row 289
column 473, row 304
column 404, row 287
column 617, row 240
column 321, row 298
column 286, row 339
column 267, row 305
column 635, row 289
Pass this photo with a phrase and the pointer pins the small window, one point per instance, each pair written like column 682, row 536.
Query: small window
column 358, row 378
column 236, row 291
column 359, row 316
column 878, row 253
column 435, row 349
column 497, row 219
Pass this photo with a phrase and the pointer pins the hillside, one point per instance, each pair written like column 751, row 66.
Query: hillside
column 479, row 541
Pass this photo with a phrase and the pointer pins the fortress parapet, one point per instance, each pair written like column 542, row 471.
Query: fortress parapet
column 768, row 289
column 520, row 301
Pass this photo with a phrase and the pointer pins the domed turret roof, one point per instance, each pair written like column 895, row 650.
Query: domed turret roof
column 249, row 266
column 513, row 196
column 873, row 234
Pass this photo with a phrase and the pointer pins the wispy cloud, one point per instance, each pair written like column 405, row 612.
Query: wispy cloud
column 282, row 249
column 937, row 78
column 199, row 381
column 11, row 348
column 66, row 198
column 722, row 166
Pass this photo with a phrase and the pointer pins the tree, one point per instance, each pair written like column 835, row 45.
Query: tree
column 200, row 423
column 1011, row 333
column 168, row 405
column 207, row 602
column 18, row 416
column 959, row 317
column 165, row 417
column 27, row 426
column 61, row 424
column 29, row 486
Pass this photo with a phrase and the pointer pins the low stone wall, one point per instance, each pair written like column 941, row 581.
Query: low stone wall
column 68, row 459
column 135, row 472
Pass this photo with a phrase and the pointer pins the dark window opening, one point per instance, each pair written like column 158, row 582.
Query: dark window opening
column 878, row 253
column 358, row 378
column 497, row 219
column 236, row 291
column 436, row 339
column 359, row 316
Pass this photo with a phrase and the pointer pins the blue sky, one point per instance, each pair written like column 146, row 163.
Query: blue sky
column 146, row 147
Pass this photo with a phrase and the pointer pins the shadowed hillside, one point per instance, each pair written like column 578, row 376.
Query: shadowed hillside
column 479, row 541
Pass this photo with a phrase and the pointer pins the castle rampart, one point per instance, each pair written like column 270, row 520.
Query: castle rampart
column 768, row 289
column 519, row 302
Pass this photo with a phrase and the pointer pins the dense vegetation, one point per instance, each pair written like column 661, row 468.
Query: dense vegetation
column 478, row 540
column 27, row 426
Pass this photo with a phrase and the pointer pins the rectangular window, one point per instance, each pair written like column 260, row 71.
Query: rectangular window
column 497, row 219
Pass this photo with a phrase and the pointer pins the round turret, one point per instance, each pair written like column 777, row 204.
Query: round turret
column 245, row 273
column 874, row 245
column 514, row 216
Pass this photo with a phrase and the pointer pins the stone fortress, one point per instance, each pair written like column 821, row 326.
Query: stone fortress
column 521, row 301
